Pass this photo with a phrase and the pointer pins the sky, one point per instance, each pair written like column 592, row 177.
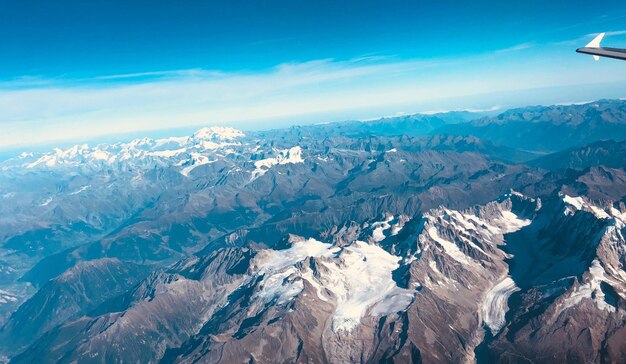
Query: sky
column 77, row 70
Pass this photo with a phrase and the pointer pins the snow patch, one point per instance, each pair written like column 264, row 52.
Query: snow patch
column 449, row 247
column 360, row 278
column 269, row 261
column 589, row 290
column 100, row 155
column 620, row 216
column 395, row 229
column 579, row 203
column 281, row 285
column 82, row 189
column 511, row 222
column 378, row 234
column 196, row 161
column 576, row 202
column 168, row 153
column 600, row 213
column 495, row 304
column 6, row 297
column 285, row 156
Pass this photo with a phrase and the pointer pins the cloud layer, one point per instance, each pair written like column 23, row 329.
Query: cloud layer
column 37, row 111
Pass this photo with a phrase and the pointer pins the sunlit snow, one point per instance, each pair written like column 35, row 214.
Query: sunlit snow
column 356, row 278
column 495, row 305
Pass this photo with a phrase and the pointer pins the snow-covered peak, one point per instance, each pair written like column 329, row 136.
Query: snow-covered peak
column 355, row 279
column 580, row 203
column 218, row 133
column 285, row 156
column 187, row 152
column 590, row 289
column 379, row 227
column 454, row 241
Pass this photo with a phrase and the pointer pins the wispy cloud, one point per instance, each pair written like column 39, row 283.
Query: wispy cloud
column 587, row 37
column 615, row 32
column 37, row 110
column 517, row 47
column 156, row 75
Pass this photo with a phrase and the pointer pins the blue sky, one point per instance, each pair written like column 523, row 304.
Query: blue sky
column 73, row 70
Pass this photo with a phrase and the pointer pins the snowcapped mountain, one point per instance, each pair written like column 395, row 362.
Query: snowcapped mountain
column 348, row 242
column 184, row 154
column 139, row 153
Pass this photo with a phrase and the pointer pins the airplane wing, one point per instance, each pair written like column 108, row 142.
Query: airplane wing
column 597, row 51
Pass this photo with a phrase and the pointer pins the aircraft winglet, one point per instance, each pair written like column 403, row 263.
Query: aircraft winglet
column 595, row 43
column 597, row 51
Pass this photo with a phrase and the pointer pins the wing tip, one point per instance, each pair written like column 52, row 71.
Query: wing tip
column 595, row 43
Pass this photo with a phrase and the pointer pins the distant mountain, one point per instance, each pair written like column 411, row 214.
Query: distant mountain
column 537, row 129
column 549, row 128
column 407, row 125
column 472, row 144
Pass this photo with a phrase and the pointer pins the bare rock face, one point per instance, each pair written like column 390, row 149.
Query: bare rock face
column 73, row 294
column 167, row 307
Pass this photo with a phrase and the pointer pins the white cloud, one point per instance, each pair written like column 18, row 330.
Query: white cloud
column 36, row 110
column 517, row 47
column 615, row 32
column 582, row 40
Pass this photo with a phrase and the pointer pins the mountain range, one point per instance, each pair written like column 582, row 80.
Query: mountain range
column 425, row 238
